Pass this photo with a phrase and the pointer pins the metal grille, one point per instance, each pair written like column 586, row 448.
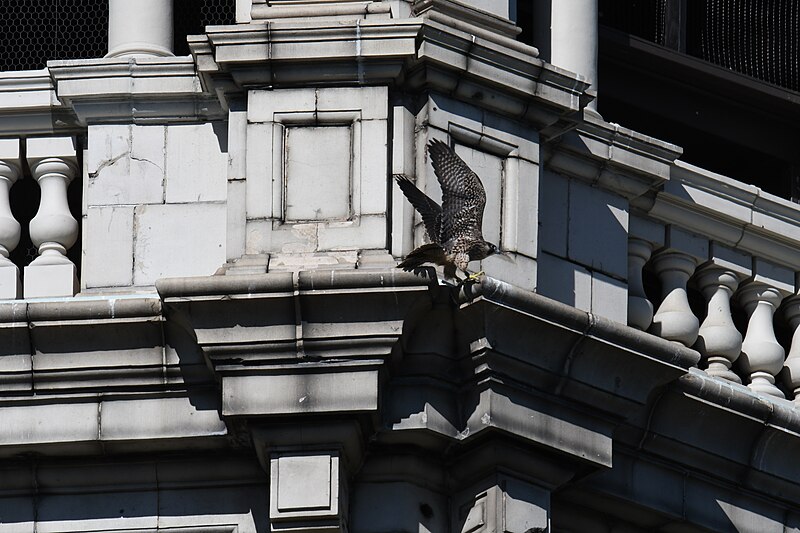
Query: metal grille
column 759, row 38
column 192, row 16
column 35, row 31
column 642, row 18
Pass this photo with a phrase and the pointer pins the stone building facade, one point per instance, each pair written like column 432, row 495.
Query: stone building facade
column 208, row 334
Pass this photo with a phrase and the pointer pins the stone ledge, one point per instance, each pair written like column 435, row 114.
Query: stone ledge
column 736, row 214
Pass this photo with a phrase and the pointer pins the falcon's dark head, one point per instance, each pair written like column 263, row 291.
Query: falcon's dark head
column 483, row 250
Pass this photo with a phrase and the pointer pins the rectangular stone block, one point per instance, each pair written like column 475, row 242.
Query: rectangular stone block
column 66, row 422
column 178, row 240
column 553, row 213
column 43, row 147
column 10, row 287
column 564, row 281
column 196, row 163
column 312, row 152
column 594, row 213
column 516, row 269
column 46, row 281
column 368, row 233
column 306, row 487
column 609, row 298
column 126, row 165
column 158, row 418
column 108, row 247
column 307, row 393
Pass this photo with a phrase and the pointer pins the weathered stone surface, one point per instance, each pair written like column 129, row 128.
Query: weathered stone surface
column 164, row 246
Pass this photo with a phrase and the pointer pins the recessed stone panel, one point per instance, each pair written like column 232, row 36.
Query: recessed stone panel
column 317, row 166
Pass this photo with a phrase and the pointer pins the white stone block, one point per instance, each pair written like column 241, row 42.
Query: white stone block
column 318, row 173
column 178, row 240
column 126, row 167
column 9, row 150
column 372, row 160
column 553, row 213
column 66, row 422
column 299, row 393
column 688, row 243
column 516, row 269
column 260, row 148
column 262, row 105
column 368, row 233
column 564, row 281
column 45, row 281
column 609, row 298
column 371, row 102
column 158, row 418
column 43, row 147
column 594, row 213
column 197, row 163
column 237, row 219
column 304, row 482
column 10, row 287
column 108, row 247
column 773, row 275
column 237, row 145
column 266, row 236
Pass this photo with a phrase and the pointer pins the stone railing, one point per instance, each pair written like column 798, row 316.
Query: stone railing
column 746, row 263
column 53, row 164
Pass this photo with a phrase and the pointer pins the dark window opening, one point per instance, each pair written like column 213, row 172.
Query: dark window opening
column 192, row 16
column 33, row 32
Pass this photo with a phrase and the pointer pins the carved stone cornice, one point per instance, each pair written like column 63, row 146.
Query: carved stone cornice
column 133, row 90
column 615, row 158
column 414, row 53
column 29, row 106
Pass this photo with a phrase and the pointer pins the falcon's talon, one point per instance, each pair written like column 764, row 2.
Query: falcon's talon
column 475, row 276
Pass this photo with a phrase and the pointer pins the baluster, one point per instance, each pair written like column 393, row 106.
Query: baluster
column 792, row 363
column 9, row 227
column 674, row 319
column 719, row 341
column 640, row 310
column 53, row 230
column 762, row 356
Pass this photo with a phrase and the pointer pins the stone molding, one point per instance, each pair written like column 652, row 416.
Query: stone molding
column 738, row 215
column 133, row 90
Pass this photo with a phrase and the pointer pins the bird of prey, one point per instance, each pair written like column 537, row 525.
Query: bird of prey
column 454, row 228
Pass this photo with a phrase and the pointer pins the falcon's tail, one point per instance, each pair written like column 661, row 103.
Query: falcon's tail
column 427, row 253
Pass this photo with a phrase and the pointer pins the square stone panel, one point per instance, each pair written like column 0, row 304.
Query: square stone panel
column 317, row 175
column 304, row 483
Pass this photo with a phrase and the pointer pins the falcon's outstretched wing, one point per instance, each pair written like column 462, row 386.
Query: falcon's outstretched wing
column 463, row 195
column 431, row 211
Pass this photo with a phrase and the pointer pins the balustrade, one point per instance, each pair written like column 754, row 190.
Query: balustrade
column 792, row 364
column 640, row 310
column 762, row 355
column 759, row 354
column 9, row 227
column 674, row 319
column 718, row 339
column 54, row 230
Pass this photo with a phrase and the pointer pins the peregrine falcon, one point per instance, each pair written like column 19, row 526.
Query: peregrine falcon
column 454, row 228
